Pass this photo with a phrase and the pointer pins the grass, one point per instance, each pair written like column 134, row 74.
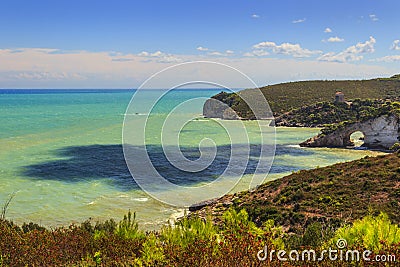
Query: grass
column 5, row 206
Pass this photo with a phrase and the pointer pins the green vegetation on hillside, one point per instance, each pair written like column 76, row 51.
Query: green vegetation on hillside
column 236, row 103
column 330, row 196
column 287, row 96
column 323, row 114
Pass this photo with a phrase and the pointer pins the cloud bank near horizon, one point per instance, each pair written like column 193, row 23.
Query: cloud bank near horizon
column 266, row 63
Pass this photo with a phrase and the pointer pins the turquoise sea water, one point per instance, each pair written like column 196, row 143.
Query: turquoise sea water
column 61, row 153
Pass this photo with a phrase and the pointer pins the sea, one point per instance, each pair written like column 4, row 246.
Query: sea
column 62, row 160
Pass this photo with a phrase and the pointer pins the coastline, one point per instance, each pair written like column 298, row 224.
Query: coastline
column 270, row 192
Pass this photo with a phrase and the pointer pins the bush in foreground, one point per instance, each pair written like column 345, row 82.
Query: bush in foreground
column 237, row 241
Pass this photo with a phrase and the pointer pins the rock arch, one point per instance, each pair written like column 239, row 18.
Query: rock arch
column 356, row 142
column 380, row 132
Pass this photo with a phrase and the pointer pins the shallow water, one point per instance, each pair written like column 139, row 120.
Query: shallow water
column 61, row 153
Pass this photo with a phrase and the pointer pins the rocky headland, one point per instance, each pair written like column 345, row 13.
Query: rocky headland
column 379, row 133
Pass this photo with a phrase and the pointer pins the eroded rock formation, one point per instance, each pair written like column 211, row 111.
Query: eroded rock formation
column 380, row 132
column 214, row 108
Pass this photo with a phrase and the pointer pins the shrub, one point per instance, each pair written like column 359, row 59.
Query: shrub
column 27, row 227
column 370, row 232
column 313, row 235
column 152, row 252
column 128, row 228
column 188, row 230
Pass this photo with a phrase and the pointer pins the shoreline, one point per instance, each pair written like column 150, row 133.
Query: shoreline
column 180, row 212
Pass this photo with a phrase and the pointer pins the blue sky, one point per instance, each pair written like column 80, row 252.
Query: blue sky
column 118, row 44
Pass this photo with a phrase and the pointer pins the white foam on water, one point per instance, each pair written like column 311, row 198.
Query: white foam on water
column 140, row 199
column 201, row 120
column 295, row 146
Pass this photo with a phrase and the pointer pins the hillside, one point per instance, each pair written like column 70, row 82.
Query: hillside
column 287, row 96
column 326, row 113
column 331, row 195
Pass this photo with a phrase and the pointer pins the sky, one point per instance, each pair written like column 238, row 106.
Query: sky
column 119, row 44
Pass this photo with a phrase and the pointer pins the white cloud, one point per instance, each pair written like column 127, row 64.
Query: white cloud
column 143, row 54
column 299, row 21
column 52, row 68
column 366, row 47
column 216, row 53
column 255, row 16
column 200, row 48
column 339, row 57
column 256, row 53
column 160, row 57
column 280, row 70
column 393, row 58
column 333, row 40
column 44, row 75
column 170, row 59
column 373, row 17
column 294, row 50
column 395, row 45
column 352, row 53
column 328, row 30
column 227, row 53
column 157, row 54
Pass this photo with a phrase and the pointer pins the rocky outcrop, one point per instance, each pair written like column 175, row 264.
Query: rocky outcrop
column 214, row 108
column 199, row 206
column 380, row 132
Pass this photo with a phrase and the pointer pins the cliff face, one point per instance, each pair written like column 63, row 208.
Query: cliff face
column 380, row 132
column 247, row 105
column 214, row 108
